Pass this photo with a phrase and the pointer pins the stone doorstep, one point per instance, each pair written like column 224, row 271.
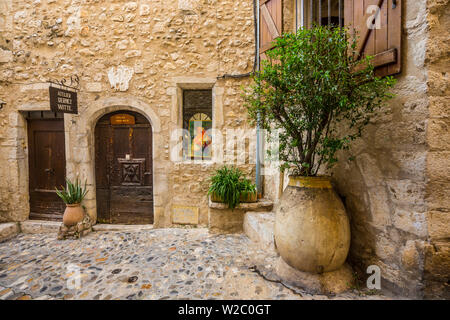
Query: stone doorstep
column 259, row 227
column 122, row 227
column 8, row 230
column 39, row 226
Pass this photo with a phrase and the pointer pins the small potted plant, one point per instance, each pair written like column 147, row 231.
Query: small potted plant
column 230, row 186
column 72, row 195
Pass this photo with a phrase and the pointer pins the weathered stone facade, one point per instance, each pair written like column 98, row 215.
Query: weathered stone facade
column 140, row 55
column 396, row 190
column 129, row 55
column 385, row 186
column 437, row 249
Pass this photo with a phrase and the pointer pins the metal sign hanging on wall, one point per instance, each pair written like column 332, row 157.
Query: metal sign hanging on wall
column 62, row 100
column 63, row 97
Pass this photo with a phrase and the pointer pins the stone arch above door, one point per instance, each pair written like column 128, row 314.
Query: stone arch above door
column 110, row 104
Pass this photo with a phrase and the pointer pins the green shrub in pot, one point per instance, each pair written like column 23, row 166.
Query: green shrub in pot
column 229, row 185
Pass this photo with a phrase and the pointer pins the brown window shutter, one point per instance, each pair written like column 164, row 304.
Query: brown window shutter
column 271, row 24
column 383, row 43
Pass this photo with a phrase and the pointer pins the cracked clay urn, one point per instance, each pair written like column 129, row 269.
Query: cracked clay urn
column 312, row 230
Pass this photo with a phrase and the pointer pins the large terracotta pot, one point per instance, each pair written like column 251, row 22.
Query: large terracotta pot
column 312, row 230
column 73, row 214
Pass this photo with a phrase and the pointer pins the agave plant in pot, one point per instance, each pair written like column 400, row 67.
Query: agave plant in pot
column 73, row 195
column 318, row 96
column 229, row 185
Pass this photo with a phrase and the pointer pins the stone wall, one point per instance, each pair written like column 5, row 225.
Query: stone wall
column 384, row 188
column 396, row 188
column 437, row 251
column 129, row 55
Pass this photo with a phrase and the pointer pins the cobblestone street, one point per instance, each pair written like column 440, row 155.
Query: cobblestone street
column 154, row 264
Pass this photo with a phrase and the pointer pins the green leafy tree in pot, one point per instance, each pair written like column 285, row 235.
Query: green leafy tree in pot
column 319, row 95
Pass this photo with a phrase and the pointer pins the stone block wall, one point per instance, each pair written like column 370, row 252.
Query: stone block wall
column 396, row 190
column 130, row 55
column 437, row 250
column 384, row 188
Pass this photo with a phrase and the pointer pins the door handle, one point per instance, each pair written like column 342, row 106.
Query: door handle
column 147, row 173
column 50, row 170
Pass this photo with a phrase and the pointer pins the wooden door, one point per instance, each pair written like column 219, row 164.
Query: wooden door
column 123, row 165
column 47, row 167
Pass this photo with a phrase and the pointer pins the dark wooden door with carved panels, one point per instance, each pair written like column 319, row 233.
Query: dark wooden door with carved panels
column 123, row 169
column 47, row 164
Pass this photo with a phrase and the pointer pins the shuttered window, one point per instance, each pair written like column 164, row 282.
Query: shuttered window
column 377, row 24
column 271, row 24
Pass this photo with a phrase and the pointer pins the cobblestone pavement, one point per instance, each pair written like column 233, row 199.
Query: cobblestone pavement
column 154, row 264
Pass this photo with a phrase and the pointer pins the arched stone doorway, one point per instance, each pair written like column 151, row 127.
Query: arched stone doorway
column 124, row 168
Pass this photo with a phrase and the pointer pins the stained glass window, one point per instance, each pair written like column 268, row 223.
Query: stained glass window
column 197, row 122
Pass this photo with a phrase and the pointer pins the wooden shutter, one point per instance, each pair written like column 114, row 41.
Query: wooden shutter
column 383, row 43
column 271, row 24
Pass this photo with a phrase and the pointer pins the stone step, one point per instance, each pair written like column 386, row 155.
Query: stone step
column 8, row 230
column 122, row 227
column 39, row 226
column 259, row 227
column 223, row 220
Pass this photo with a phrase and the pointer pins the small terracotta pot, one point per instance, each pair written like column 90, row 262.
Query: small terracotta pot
column 73, row 214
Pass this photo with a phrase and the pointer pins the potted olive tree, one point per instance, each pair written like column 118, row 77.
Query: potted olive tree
column 72, row 195
column 319, row 95
column 228, row 185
